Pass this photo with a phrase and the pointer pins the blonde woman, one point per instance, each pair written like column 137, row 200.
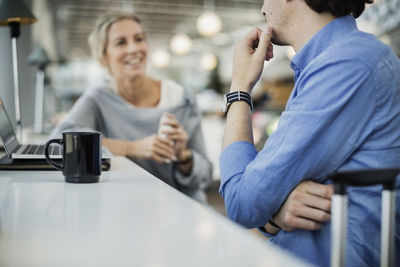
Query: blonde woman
column 128, row 108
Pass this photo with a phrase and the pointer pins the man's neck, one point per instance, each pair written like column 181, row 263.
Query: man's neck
column 306, row 25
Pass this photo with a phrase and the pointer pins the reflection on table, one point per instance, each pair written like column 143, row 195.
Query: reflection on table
column 130, row 218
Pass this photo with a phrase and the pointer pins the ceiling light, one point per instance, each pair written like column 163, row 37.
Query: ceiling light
column 209, row 24
column 209, row 61
column 160, row 58
column 181, row 44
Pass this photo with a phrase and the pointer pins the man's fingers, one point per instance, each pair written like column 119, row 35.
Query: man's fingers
column 264, row 41
column 313, row 195
column 315, row 201
column 253, row 37
column 321, row 190
column 293, row 222
column 270, row 52
column 311, row 225
column 314, row 214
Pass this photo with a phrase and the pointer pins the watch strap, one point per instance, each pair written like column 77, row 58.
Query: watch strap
column 238, row 96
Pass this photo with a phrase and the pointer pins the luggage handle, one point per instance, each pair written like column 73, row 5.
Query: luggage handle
column 366, row 177
column 386, row 177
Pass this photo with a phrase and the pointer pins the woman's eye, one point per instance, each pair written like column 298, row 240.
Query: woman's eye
column 119, row 43
column 139, row 39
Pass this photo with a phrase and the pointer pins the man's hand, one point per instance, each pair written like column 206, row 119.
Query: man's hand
column 307, row 207
column 249, row 56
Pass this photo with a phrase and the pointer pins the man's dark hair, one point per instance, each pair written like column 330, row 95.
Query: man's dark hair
column 339, row 8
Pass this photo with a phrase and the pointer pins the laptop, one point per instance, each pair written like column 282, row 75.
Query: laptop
column 30, row 154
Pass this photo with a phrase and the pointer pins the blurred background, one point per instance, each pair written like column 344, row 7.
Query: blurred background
column 190, row 41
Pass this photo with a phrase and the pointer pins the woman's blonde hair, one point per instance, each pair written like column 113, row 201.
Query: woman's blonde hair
column 99, row 35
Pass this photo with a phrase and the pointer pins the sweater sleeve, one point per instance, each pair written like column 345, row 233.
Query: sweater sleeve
column 201, row 173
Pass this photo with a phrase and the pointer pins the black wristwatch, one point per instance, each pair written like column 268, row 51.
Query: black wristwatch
column 229, row 98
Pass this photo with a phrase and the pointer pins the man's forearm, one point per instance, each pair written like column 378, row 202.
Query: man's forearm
column 238, row 124
column 249, row 56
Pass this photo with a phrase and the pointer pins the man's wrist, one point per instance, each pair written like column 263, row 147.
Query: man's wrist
column 239, row 87
column 233, row 97
column 269, row 229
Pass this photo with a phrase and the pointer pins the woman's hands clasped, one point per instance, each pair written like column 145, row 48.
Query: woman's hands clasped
column 175, row 133
column 165, row 147
column 154, row 148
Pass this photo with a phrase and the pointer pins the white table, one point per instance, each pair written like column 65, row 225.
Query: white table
column 130, row 218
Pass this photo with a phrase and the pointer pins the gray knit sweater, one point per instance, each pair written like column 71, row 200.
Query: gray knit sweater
column 103, row 110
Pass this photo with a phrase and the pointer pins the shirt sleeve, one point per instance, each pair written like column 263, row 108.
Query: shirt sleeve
column 329, row 115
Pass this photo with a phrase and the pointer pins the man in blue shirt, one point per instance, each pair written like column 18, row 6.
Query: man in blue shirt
column 343, row 114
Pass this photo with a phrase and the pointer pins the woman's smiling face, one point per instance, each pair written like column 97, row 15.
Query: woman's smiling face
column 126, row 50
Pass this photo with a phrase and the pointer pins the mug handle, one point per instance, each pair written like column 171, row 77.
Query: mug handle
column 58, row 166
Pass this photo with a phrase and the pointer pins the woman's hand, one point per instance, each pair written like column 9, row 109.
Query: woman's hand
column 307, row 207
column 248, row 60
column 152, row 147
column 176, row 133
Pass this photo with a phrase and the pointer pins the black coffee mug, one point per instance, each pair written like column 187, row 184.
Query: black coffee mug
column 81, row 160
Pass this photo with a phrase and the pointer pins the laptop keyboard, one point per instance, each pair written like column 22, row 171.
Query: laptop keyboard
column 39, row 150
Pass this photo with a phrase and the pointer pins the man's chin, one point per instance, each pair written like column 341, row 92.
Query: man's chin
column 278, row 42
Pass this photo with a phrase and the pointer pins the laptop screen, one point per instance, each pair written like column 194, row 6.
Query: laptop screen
column 7, row 134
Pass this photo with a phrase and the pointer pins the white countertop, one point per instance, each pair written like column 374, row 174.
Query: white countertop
column 130, row 218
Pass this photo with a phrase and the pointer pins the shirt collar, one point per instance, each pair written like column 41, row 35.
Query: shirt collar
column 321, row 40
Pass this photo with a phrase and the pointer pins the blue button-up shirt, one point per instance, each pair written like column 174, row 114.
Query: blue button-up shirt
column 343, row 114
